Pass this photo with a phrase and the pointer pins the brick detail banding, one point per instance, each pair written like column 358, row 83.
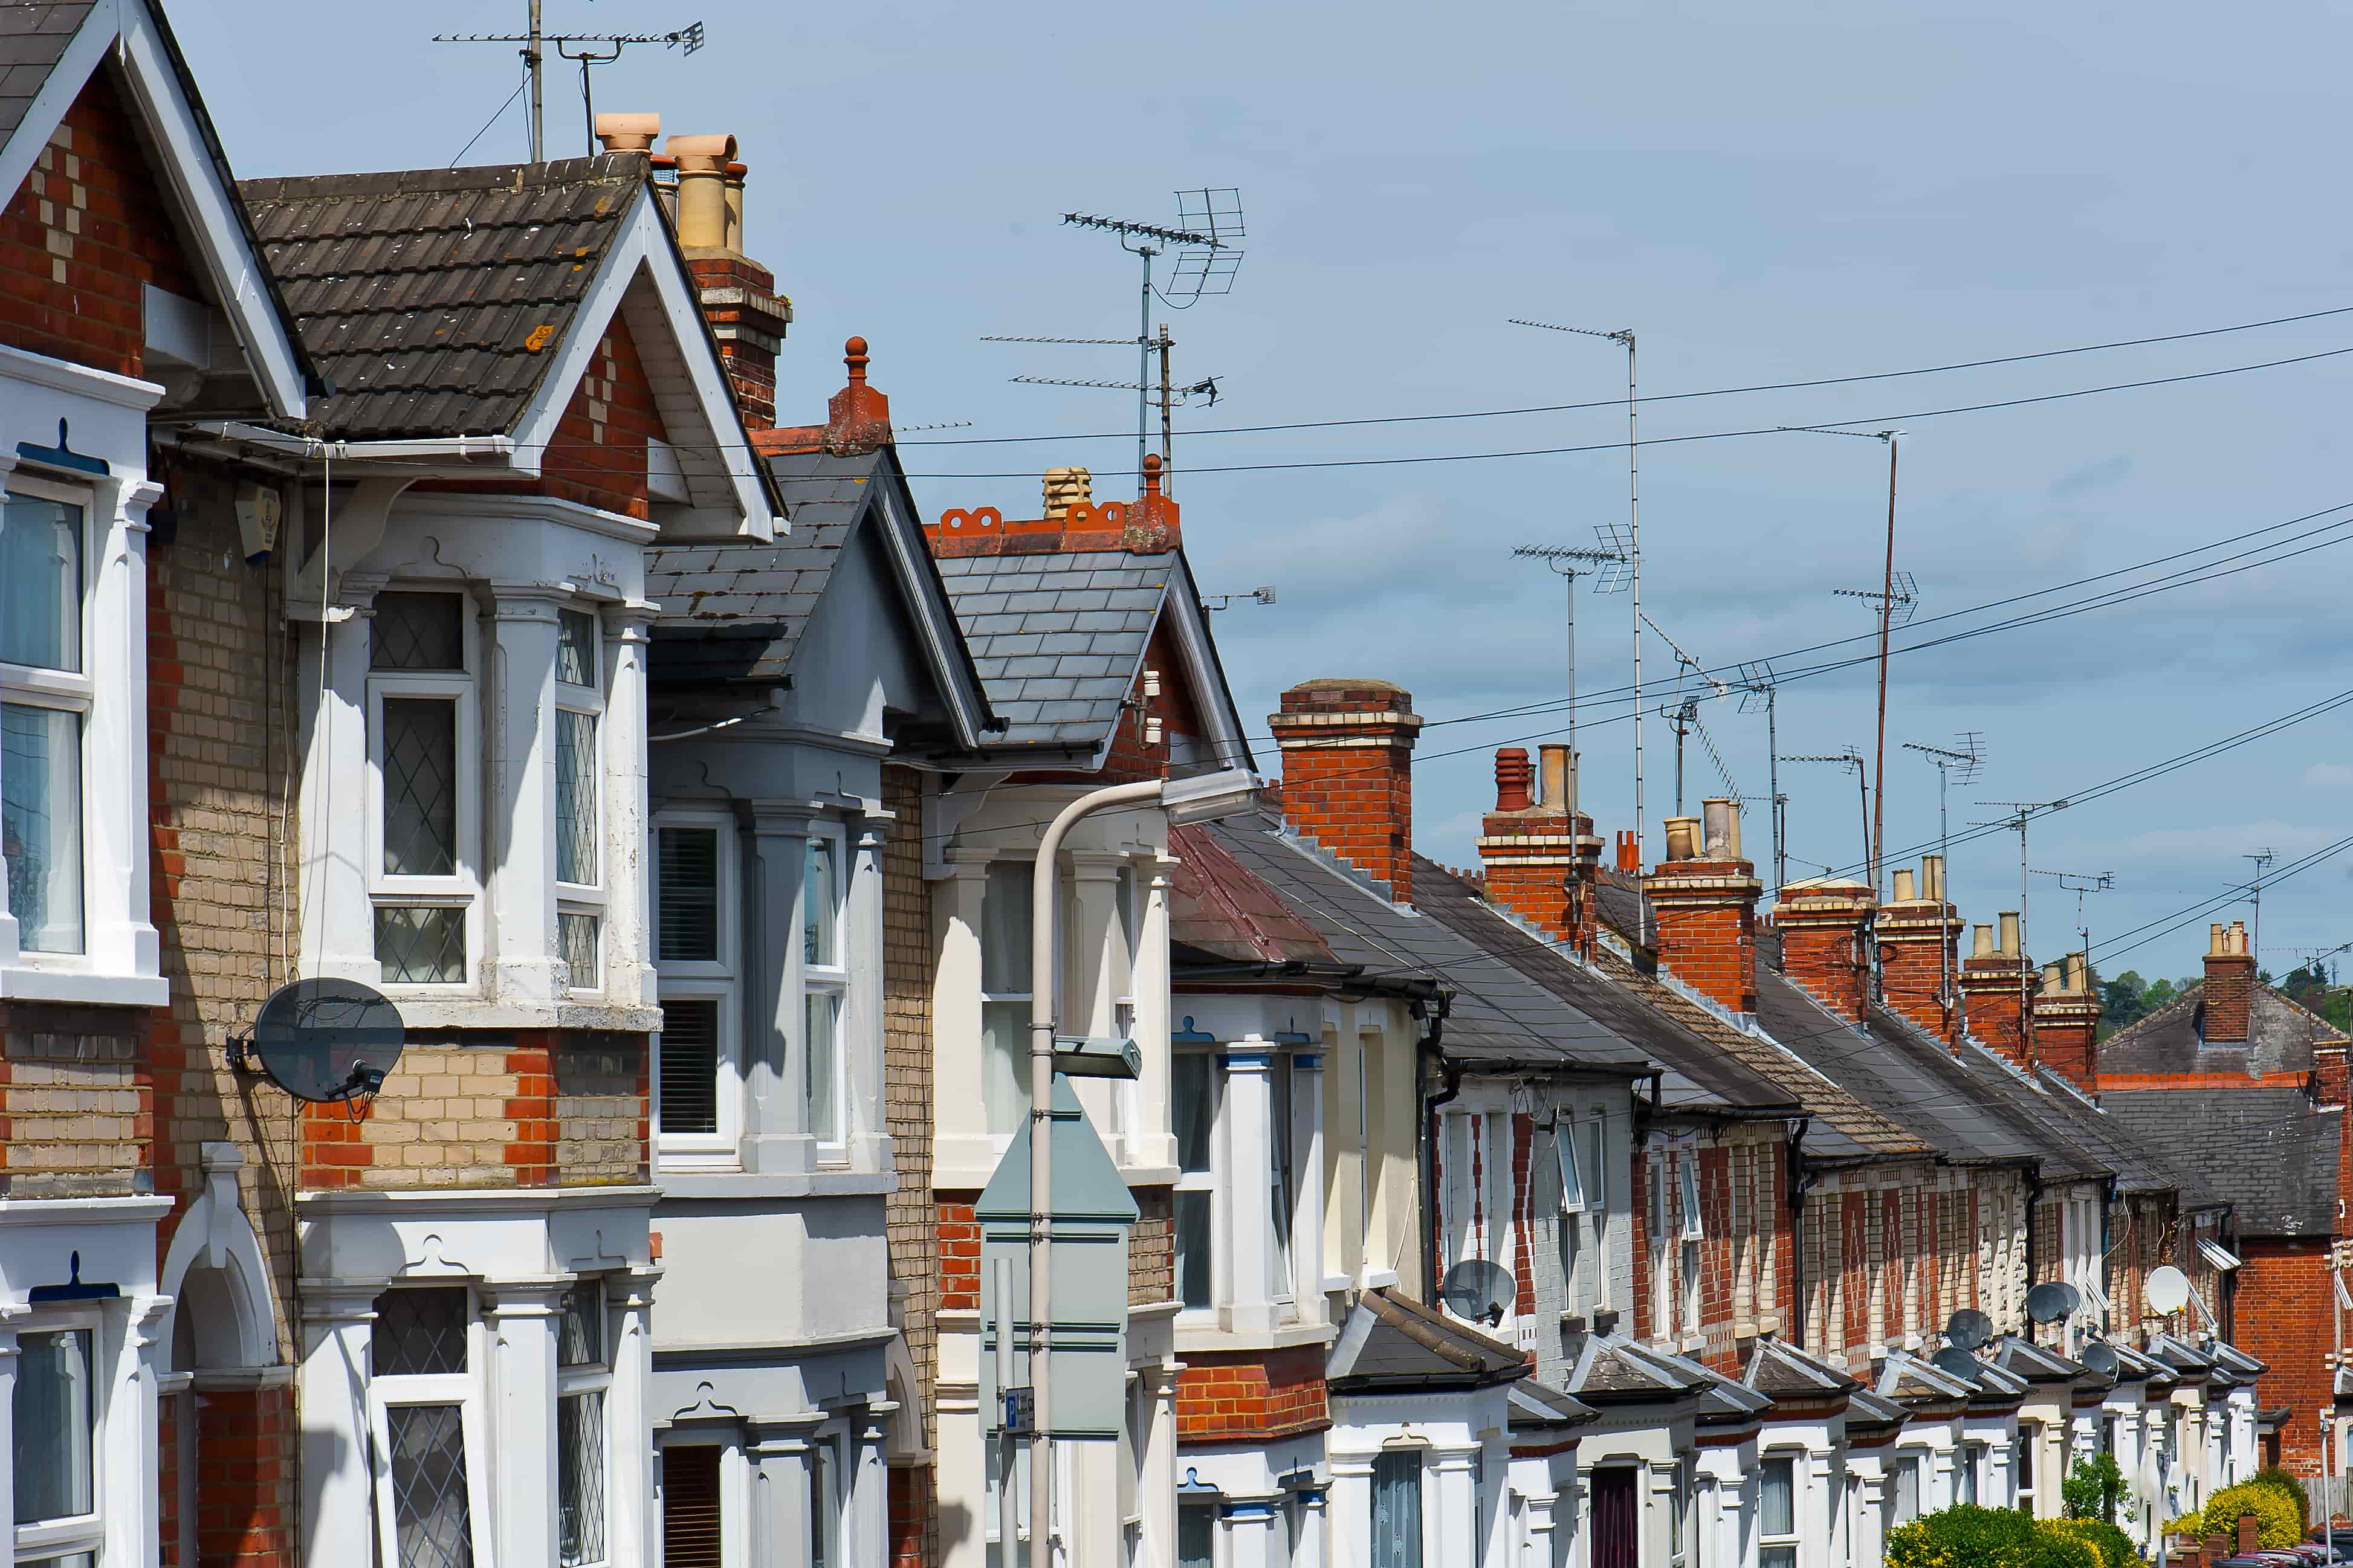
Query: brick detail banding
column 1824, row 928
column 749, row 320
column 597, row 454
column 1348, row 773
column 1248, row 1396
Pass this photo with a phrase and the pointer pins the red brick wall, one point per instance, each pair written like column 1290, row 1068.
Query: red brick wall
column 1347, row 783
column 1916, row 957
column 2229, row 994
column 1822, row 944
column 88, row 227
column 597, row 454
column 1249, row 1395
column 959, row 1253
column 2284, row 1305
column 1707, row 928
column 914, row 1505
column 1990, row 993
column 245, row 1478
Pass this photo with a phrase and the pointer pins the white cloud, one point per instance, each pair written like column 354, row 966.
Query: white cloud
column 2328, row 775
column 2225, row 840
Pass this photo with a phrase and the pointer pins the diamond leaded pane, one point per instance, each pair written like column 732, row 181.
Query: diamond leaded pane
column 579, row 934
column 417, row 631
column 580, row 1334
column 419, row 1330
column 420, row 786
column 575, row 796
column 575, row 647
column 580, row 1479
column 432, row 1524
column 421, row 944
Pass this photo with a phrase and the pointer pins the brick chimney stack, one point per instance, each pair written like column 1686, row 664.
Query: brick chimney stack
column 1992, row 991
column 1348, row 773
column 1919, row 954
column 2067, row 1022
column 1538, row 853
column 1705, row 893
column 2228, row 998
column 1825, row 923
column 747, row 314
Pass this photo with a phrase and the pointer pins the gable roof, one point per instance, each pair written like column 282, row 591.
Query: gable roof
column 1391, row 1342
column 733, row 612
column 2280, row 1038
column 2266, row 1151
column 48, row 53
column 1057, row 638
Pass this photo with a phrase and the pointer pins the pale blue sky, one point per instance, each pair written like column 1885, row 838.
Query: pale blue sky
column 1765, row 193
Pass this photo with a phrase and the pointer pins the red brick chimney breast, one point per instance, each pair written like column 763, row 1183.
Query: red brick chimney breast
column 1822, row 922
column 2067, row 1022
column 1538, row 855
column 1918, row 934
column 1993, row 987
column 1704, row 895
column 2230, row 991
column 1348, row 773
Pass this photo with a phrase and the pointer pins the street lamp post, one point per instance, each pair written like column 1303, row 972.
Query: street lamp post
column 1200, row 798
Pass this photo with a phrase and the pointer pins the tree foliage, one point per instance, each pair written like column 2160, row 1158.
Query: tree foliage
column 2095, row 1489
column 2115, row 1547
column 1968, row 1536
column 2279, row 1514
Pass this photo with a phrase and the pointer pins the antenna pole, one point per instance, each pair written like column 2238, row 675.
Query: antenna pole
column 1944, row 936
column 1887, row 612
column 2025, row 1006
column 1773, row 769
column 532, row 59
column 1168, row 449
column 1862, row 786
column 1143, row 367
column 2262, row 858
column 1634, row 549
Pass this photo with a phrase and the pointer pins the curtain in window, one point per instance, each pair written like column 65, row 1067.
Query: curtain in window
column 822, row 1050
column 40, row 825
column 57, row 1426
column 1005, row 972
column 690, row 1066
column 1616, row 1538
column 40, row 584
column 1777, row 1514
column 1397, row 1510
column 689, row 895
column 1197, row 1534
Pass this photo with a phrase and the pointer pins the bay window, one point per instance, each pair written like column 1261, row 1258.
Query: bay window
column 46, row 693
column 824, row 1503
column 698, row 1081
column 825, row 983
column 579, row 825
column 426, row 1418
column 1776, row 1512
column 56, row 1412
column 422, row 742
column 1283, row 1186
column 1005, row 981
column 584, row 1376
column 1194, row 1091
column 1397, row 1508
column 1693, row 1236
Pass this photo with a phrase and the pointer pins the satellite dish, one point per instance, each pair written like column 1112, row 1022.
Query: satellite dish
column 2053, row 1301
column 323, row 1041
column 2101, row 1358
column 1957, row 1363
column 1968, row 1329
column 2168, row 1289
column 1478, row 1289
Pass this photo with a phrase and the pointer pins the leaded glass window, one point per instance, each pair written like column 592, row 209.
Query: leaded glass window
column 575, row 796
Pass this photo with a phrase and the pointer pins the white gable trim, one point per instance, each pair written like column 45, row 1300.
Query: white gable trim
column 1182, row 607
column 234, row 271
column 642, row 250
column 959, row 684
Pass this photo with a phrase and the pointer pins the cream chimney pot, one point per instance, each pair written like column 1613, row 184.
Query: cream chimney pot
column 1720, row 836
column 2010, row 934
column 1683, row 838
column 2054, row 977
column 1905, row 893
column 1981, row 941
column 1932, row 878
column 1557, row 777
column 2216, row 944
column 1066, row 487
column 2079, row 972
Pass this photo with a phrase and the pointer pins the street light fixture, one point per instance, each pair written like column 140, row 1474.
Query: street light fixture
column 1202, row 797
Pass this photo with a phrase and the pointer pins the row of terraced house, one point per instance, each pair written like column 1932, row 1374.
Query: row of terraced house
column 404, row 580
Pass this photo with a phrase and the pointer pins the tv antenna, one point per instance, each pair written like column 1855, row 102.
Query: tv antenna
column 1628, row 543
column 596, row 49
column 1169, row 398
column 1888, row 605
column 1570, row 564
column 1963, row 761
column 2023, row 813
column 1208, row 221
column 1756, row 680
column 1850, row 758
column 2262, row 858
column 2080, row 883
column 1684, row 715
column 1225, row 601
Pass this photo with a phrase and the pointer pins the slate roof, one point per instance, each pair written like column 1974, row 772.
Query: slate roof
column 1391, row 1342
column 1782, row 1371
column 734, row 612
column 2281, row 1036
column 2266, row 1151
column 32, row 38
column 422, row 294
column 1217, row 910
column 1058, row 638
column 1535, row 1406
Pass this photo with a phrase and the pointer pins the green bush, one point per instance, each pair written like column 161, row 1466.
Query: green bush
column 2115, row 1547
column 2278, row 1520
column 2273, row 1476
column 2095, row 1488
column 1967, row 1536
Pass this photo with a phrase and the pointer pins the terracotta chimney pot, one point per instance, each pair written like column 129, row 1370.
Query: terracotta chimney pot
column 622, row 130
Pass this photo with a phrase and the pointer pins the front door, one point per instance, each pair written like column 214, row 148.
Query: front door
column 1616, row 1521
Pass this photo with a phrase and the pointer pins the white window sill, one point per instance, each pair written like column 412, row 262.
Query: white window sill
column 22, row 981
column 756, row 1185
column 448, row 1008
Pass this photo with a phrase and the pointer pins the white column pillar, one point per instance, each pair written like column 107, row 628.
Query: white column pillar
column 1536, row 1526
column 8, row 1416
column 1867, row 1538
column 1316, row 1533
column 866, row 1522
column 1828, row 1485
column 338, row 922
column 959, row 1096
column 2000, row 1487
column 521, row 943
column 867, row 1138
column 1448, row 1524
column 1251, row 1527
column 1658, row 1513
column 779, row 1456
column 634, row 1529
column 134, row 1447
column 775, row 1120
column 1350, row 1512
column 338, row 1511
column 629, row 976
column 962, row 1475
column 1307, row 1176
column 1245, row 1227
column 1154, row 1144
column 9, row 936
column 522, row 1418
column 120, row 938
column 1157, row 1487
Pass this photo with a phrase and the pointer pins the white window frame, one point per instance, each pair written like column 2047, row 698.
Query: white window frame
column 592, row 1377
column 1594, row 1150
column 1021, row 1058
column 1565, row 1154
column 2026, row 1465
column 1774, row 1541
column 71, row 691
column 1283, row 1237
column 827, row 980
column 462, row 889
column 1209, row 1180
column 589, row 897
column 462, row 1389
column 1692, row 1261
column 827, row 1480
column 73, row 1533
column 697, row 980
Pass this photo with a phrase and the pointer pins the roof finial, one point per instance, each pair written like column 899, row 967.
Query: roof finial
column 1151, row 474
column 853, row 354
